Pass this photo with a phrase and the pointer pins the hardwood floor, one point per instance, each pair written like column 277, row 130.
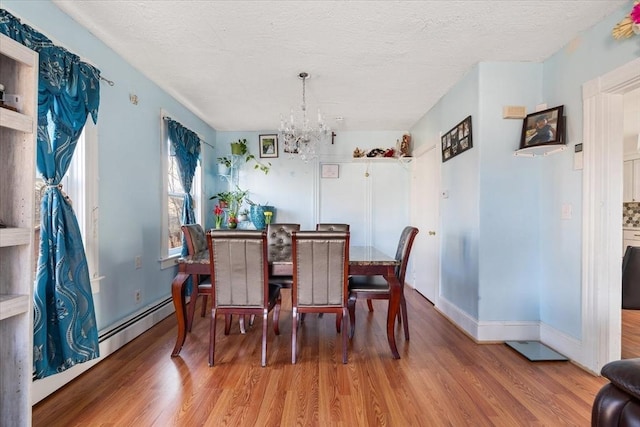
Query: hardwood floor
column 443, row 378
column 630, row 334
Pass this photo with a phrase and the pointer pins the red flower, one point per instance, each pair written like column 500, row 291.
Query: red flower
column 635, row 14
column 218, row 210
column 232, row 220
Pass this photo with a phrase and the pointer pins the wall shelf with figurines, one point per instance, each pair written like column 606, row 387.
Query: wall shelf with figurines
column 400, row 153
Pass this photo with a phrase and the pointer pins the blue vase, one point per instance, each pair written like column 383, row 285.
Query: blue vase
column 256, row 214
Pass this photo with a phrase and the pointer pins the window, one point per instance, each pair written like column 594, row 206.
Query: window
column 81, row 185
column 174, row 199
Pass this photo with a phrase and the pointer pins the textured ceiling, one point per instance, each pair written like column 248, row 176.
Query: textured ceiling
column 380, row 65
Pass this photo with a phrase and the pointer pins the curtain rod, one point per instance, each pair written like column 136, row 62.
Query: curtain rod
column 109, row 82
column 201, row 140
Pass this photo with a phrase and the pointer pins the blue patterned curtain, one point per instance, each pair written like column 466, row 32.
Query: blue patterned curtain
column 65, row 331
column 186, row 147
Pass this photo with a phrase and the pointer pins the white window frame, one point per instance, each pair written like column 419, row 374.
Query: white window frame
column 167, row 258
column 81, row 185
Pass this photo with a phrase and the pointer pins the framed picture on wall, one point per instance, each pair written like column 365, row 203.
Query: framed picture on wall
column 457, row 140
column 543, row 127
column 269, row 145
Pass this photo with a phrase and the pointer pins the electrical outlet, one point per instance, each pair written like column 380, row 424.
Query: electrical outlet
column 138, row 262
column 137, row 296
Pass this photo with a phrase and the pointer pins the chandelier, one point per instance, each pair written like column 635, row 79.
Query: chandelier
column 302, row 139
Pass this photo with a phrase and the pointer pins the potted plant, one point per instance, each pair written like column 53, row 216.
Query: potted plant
column 240, row 148
column 224, row 198
column 224, row 164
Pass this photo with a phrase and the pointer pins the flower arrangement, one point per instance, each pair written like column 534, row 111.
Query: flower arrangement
column 630, row 25
column 233, row 221
column 218, row 212
column 267, row 217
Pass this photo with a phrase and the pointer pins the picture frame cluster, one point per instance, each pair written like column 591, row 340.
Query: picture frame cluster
column 458, row 140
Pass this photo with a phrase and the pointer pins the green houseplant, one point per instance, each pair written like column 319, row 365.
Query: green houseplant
column 240, row 148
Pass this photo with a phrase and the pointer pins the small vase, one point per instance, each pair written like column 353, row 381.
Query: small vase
column 232, row 225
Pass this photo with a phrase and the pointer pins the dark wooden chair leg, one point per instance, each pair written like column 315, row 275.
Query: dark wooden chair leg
column 370, row 305
column 203, row 310
column 264, row 337
column 212, row 336
column 294, row 330
column 343, row 318
column 276, row 316
column 351, row 304
column 403, row 308
column 227, row 323
column 338, row 323
column 191, row 309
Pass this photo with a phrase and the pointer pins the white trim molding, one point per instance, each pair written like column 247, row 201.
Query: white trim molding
column 602, row 214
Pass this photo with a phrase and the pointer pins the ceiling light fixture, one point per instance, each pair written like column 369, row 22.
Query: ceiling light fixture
column 303, row 139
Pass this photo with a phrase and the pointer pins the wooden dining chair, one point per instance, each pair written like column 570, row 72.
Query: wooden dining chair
column 376, row 287
column 332, row 227
column 279, row 247
column 197, row 245
column 240, row 275
column 320, row 279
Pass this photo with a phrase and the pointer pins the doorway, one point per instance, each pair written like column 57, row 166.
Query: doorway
column 602, row 213
column 425, row 194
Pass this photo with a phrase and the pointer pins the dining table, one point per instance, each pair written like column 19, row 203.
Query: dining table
column 363, row 260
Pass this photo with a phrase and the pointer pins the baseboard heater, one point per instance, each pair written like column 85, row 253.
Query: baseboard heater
column 104, row 335
column 110, row 339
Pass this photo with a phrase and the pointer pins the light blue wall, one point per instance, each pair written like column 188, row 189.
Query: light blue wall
column 509, row 256
column 130, row 187
column 509, row 195
column 459, row 223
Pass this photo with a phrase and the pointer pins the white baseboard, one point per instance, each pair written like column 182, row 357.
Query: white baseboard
column 148, row 317
column 567, row 345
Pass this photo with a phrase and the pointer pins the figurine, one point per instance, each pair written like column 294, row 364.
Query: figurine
column 358, row 152
column 405, row 145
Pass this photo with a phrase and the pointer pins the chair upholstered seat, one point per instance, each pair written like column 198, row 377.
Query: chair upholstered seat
column 369, row 283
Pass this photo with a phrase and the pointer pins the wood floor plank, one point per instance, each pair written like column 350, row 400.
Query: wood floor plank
column 443, row 378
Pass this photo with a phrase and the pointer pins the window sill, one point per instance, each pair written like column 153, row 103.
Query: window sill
column 169, row 262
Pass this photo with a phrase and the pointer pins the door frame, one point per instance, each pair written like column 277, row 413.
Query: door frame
column 419, row 152
column 602, row 213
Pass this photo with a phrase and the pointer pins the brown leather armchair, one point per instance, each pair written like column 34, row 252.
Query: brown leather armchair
column 618, row 403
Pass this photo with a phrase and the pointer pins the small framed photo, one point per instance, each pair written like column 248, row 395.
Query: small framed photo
column 457, row 140
column 269, row 145
column 543, row 127
column 330, row 170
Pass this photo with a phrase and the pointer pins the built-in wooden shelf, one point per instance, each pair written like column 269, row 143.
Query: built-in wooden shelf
column 12, row 305
column 17, row 121
column 14, row 237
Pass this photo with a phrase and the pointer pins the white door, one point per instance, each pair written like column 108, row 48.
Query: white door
column 425, row 208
